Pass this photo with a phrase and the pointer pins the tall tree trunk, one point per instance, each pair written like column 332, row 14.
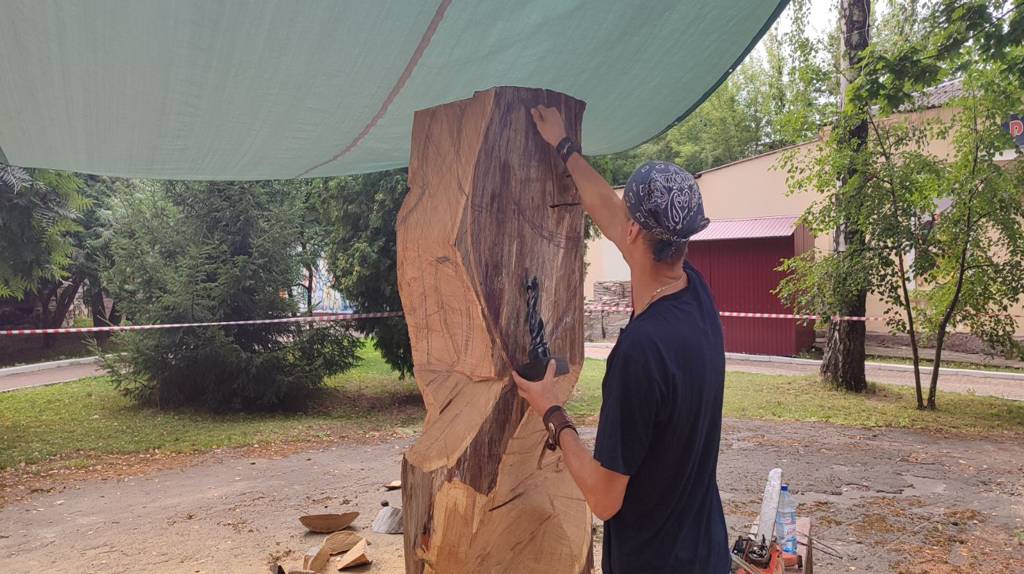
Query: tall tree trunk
column 843, row 362
column 97, row 307
column 45, row 314
column 933, row 386
column 907, row 303
column 309, row 290
column 63, row 298
column 940, row 335
column 114, row 317
column 477, row 224
column 908, row 309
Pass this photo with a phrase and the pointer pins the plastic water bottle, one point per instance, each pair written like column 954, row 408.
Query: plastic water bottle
column 785, row 522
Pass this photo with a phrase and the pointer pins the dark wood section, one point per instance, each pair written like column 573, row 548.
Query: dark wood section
column 477, row 224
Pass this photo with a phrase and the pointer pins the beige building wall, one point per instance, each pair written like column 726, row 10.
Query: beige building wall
column 755, row 187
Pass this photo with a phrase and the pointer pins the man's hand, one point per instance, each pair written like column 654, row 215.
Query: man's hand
column 597, row 197
column 540, row 394
column 549, row 124
column 604, row 489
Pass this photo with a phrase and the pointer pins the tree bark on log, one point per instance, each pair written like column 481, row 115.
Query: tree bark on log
column 490, row 206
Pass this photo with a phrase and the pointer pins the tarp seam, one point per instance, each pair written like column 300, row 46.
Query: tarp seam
column 428, row 35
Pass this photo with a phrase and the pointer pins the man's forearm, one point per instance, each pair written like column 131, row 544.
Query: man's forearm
column 598, row 198
column 602, row 488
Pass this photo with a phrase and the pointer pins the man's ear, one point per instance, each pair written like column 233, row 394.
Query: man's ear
column 633, row 231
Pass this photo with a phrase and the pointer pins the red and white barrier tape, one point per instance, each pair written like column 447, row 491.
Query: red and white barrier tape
column 303, row 319
column 749, row 315
column 357, row 316
column 800, row 317
column 775, row 315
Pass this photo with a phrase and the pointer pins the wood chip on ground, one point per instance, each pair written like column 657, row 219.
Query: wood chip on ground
column 354, row 557
column 327, row 523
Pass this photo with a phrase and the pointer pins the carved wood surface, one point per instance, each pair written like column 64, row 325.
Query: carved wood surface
column 479, row 222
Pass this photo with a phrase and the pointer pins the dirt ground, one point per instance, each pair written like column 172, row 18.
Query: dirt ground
column 886, row 500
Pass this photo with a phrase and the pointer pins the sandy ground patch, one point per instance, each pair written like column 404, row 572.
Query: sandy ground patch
column 887, row 500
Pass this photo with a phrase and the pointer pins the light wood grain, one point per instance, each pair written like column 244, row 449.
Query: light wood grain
column 334, row 544
column 354, row 557
column 325, row 523
column 477, row 224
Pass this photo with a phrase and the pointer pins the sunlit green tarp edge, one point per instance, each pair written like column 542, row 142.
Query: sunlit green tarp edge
column 232, row 89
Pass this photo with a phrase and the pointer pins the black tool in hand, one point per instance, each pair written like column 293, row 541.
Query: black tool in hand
column 539, row 354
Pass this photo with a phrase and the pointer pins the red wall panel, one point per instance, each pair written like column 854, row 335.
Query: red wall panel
column 742, row 276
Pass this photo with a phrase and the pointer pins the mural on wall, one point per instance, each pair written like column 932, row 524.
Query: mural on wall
column 1015, row 127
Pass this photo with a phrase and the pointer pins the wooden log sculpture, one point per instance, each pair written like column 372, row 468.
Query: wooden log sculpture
column 490, row 206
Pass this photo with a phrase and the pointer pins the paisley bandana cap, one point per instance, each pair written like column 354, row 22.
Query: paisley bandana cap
column 665, row 201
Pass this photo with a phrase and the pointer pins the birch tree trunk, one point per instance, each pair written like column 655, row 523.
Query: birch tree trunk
column 843, row 360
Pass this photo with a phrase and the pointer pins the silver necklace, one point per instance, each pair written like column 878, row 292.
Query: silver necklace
column 658, row 292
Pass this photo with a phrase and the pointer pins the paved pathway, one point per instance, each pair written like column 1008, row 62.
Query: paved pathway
column 985, row 386
column 48, row 376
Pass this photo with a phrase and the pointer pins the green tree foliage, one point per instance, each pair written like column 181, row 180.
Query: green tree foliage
column 301, row 214
column 38, row 212
column 943, row 237
column 91, row 244
column 217, row 251
column 798, row 88
column 359, row 214
column 725, row 128
column 903, row 23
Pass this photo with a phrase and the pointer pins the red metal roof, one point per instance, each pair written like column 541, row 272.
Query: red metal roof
column 778, row 226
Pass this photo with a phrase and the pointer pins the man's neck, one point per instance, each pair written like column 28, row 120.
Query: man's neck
column 647, row 278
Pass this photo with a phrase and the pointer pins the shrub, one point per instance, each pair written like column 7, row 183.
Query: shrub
column 210, row 252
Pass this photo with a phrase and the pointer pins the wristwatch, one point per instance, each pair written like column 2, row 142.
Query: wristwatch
column 566, row 148
column 557, row 420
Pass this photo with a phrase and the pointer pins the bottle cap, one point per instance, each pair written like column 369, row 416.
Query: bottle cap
column 785, row 488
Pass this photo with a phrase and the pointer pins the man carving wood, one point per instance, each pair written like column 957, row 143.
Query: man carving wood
column 652, row 477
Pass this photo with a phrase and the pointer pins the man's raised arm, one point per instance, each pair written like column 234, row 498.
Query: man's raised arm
column 597, row 197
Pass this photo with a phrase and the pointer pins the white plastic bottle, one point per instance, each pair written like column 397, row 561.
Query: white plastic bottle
column 785, row 522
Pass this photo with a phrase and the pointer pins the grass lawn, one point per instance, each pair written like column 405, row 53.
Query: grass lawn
column 788, row 398
column 66, row 425
column 805, row 399
column 88, row 417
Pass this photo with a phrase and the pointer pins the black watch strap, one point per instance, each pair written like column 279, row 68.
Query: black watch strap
column 566, row 148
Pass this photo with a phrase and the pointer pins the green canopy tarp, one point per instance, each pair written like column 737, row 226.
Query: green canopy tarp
column 236, row 89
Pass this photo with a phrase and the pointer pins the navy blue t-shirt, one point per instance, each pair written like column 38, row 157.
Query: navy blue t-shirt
column 661, row 421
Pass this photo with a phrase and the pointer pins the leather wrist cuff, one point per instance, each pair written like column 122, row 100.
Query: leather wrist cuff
column 566, row 148
column 557, row 420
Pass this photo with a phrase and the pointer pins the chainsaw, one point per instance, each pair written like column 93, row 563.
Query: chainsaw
column 751, row 556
